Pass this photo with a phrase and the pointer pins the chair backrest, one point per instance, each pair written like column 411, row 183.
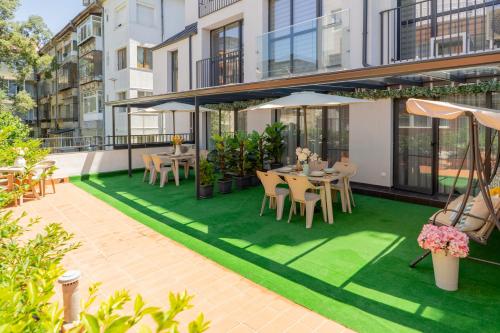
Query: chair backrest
column 204, row 153
column 269, row 180
column 184, row 149
column 298, row 187
column 147, row 161
column 9, row 186
column 156, row 162
column 347, row 168
column 318, row 165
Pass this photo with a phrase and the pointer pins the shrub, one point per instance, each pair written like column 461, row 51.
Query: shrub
column 207, row 175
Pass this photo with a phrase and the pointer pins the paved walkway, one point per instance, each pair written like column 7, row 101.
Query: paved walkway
column 122, row 253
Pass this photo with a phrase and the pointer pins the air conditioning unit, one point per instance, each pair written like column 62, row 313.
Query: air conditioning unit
column 493, row 28
column 88, row 2
column 446, row 45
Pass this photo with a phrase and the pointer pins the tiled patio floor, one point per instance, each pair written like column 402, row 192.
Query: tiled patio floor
column 122, row 253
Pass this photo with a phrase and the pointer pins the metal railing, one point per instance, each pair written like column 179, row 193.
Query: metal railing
column 65, row 144
column 220, row 70
column 206, row 7
column 439, row 28
column 323, row 44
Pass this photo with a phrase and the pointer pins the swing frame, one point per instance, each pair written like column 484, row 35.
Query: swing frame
column 476, row 167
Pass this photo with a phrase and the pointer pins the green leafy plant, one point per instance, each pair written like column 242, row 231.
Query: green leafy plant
column 223, row 154
column 239, row 144
column 255, row 152
column 207, row 173
column 274, row 141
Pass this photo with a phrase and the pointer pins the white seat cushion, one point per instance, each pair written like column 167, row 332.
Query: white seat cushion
column 479, row 209
column 281, row 191
column 312, row 196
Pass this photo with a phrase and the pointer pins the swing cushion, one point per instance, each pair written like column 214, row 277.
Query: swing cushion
column 477, row 207
column 446, row 218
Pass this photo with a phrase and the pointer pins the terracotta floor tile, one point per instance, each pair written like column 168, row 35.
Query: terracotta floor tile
column 122, row 253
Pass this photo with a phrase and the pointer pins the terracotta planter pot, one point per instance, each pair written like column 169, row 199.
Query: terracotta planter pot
column 446, row 269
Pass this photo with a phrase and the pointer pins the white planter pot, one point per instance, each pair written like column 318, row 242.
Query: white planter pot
column 178, row 150
column 446, row 269
column 20, row 162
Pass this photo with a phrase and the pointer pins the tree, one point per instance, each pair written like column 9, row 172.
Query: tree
column 20, row 43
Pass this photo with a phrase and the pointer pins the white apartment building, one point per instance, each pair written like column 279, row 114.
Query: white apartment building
column 235, row 43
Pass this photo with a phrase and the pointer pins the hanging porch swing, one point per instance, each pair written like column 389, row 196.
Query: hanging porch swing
column 478, row 215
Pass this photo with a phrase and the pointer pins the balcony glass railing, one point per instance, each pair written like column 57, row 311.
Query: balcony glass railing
column 312, row 46
column 439, row 28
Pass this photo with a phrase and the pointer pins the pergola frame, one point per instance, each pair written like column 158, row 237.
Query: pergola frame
column 376, row 77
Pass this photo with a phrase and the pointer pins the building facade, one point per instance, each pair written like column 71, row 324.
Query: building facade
column 226, row 43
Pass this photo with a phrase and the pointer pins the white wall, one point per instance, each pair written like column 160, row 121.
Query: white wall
column 370, row 141
column 84, row 163
column 258, row 119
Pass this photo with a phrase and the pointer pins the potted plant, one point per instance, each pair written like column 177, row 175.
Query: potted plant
column 255, row 156
column 304, row 156
column 240, row 164
column 274, row 143
column 177, row 142
column 221, row 156
column 447, row 245
column 207, row 179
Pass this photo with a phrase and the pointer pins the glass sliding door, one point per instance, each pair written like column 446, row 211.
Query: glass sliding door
column 338, row 134
column 314, row 125
column 413, row 150
column 226, row 44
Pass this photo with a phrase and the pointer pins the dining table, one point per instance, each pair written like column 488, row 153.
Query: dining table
column 175, row 162
column 12, row 169
column 326, row 179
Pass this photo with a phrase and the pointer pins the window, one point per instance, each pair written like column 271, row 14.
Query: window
column 122, row 58
column 145, row 15
column 92, row 102
column 292, row 50
column 121, row 95
column 143, row 93
column 91, row 27
column 144, row 58
column 120, row 16
column 174, row 79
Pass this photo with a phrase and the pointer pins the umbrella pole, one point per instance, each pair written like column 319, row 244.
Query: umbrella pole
column 173, row 121
column 305, row 126
column 129, row 143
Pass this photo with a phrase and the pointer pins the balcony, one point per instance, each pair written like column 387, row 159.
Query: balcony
column 67, row 75
column 90, row 28
column 220, row 70
column 206, row 7
column 434, row 29
column 90, row 67
column 308, row 47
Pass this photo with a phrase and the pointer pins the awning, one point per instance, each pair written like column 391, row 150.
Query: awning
column 444, row 110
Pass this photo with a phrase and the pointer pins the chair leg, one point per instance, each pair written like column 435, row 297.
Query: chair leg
column 292, row 210
column 154, row 175
column 33, row 190
column 323, row 204
column 342, row 200
column 280, row 203
column 302, row 209
column 162, row 179
column 53, row 183
column 263, row 205
column 309, row 213
column 186, row 170
column 352, row 196
column 145, row 174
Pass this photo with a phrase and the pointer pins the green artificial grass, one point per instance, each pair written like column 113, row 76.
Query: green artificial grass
column 355, row 271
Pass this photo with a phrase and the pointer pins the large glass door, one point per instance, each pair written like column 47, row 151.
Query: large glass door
column 413, row 150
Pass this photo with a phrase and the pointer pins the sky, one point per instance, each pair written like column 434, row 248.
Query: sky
column 55, row 13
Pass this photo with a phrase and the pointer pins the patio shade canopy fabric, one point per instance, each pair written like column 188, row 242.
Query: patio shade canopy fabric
column 167, row 107
column 307, row 98
column 444, row 110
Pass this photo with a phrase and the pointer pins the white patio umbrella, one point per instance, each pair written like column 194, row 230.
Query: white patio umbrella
column 444, row 110
column 307, row 99
column 172, row 107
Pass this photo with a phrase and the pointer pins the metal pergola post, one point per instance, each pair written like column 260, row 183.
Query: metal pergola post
column 129, row 141
column 113, row 115
column 197, row 144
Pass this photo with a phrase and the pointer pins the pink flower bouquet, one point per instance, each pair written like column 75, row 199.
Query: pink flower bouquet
column 445, row 238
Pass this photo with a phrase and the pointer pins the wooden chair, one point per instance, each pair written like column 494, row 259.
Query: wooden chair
column 275, row 194
column 7, row 184
column 299, row 187
column 318, row 165
column 348, row 169
column 161, row 169
column 148, row 167
column 47, row 175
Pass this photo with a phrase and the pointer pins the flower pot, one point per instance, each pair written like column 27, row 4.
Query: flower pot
column 178, row 150
column 445, row 270
column 206, row 191
column 242, row 182
column 20, row 162
column 254, row 180
column 225, row 185
column 305, row 169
